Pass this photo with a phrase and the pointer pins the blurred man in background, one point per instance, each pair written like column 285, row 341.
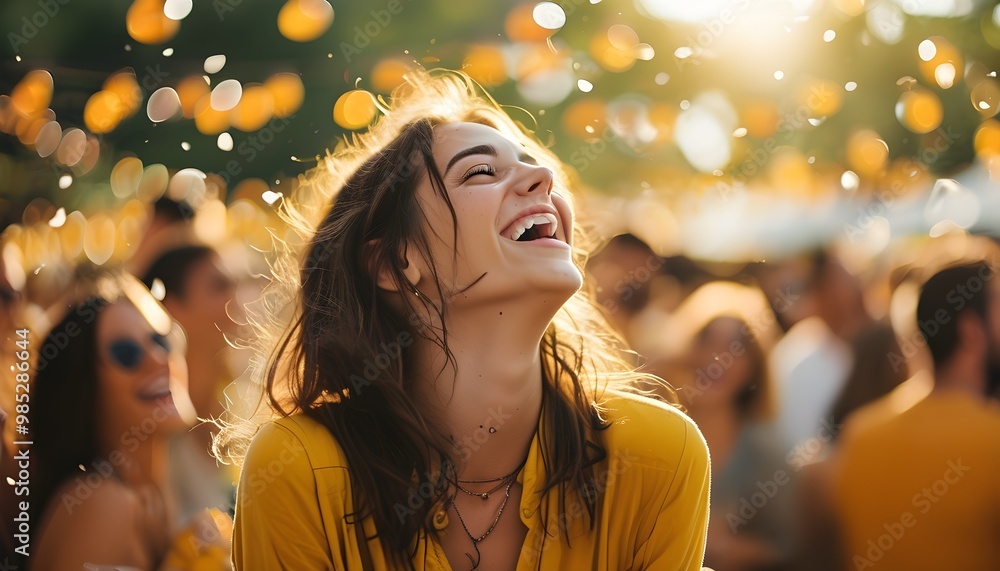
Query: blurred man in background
column 920, row 488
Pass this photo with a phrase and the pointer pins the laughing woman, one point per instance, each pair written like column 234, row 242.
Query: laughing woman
column 446, row 396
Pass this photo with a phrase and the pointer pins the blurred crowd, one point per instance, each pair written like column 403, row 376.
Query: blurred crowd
column 848, row 406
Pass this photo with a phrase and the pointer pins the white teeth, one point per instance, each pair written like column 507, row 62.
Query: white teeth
column 521, row 226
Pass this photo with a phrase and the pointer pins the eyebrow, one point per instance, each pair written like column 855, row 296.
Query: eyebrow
column 477, row 150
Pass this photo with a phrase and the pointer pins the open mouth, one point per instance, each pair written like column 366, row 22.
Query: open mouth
column 532, row 227
column 155, row 391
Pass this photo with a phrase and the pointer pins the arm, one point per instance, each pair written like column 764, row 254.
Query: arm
column 278, row 522
column 679, row 533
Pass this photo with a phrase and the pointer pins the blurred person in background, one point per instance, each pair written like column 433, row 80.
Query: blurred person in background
column 873, row 375
column 107, row 395
column 721, row 365
column 622, row 272
column 169, row 227
column 197, row 290
column 822, row 308
column 919, row 488
column 638, row 290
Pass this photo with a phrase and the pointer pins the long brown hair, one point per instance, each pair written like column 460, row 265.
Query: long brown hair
column 335, row 348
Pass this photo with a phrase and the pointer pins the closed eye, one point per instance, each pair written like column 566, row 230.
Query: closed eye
column 479, row 169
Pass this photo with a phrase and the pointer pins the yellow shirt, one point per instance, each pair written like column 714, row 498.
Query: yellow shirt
column 920, row 489
column 295, row 490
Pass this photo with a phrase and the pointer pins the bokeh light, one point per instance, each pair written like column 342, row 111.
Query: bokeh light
column 485, row 64
column 255, row 109
column 287, row 91
column 305, row 20
column 520, row 25
column 919, row 110
column 147, row 23
column 354, row 109
column 867, row 152
column 33, row 93
column 940, row 61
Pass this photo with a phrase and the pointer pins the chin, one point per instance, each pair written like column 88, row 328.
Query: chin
column 566, row 281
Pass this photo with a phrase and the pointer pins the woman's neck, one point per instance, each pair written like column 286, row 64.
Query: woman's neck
column 137, row 459
column 487, row 401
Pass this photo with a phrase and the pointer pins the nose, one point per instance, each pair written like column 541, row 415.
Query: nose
column 158, row 356
column 537, row 178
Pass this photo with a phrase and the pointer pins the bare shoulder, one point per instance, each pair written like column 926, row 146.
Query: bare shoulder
column 95, row 520
column 650, row 431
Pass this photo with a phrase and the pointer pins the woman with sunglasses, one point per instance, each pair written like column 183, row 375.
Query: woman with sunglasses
column 103, row 408
column 449, row 397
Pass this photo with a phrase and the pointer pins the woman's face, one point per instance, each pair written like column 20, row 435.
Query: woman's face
column 720, row 359
column 137, row 369
column 514, row 232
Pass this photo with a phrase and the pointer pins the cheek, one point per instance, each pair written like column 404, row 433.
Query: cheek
column 565, row 216
column 117, row 393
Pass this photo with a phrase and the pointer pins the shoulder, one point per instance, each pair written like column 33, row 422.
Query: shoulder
column 294, row 440
column 651, row 432
column 83, row 514
column 83, row 499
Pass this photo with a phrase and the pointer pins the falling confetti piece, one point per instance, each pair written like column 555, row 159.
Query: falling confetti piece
column 225, row 142
column 549, row 15
column 214, row 64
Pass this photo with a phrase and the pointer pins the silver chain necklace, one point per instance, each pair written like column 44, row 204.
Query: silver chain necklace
column 506, row 482
column 475, row 540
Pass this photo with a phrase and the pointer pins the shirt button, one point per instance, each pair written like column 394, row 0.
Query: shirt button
column 526, row 512
column 440, row 520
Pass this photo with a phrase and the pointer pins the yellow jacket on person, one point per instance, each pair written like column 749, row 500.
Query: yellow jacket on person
column 295, row 490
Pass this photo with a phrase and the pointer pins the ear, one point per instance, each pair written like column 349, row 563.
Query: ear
column 382, row 273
